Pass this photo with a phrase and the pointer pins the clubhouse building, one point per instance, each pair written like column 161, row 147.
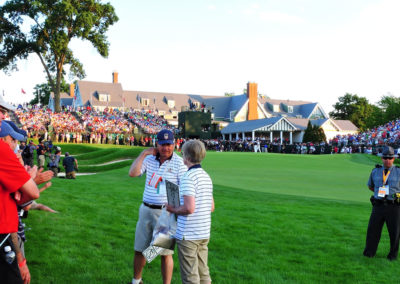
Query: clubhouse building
column 239, row 116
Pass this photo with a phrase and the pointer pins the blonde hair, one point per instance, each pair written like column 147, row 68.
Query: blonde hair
column 194, row 151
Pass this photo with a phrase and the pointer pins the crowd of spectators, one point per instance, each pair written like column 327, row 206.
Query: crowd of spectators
column 112, row 126
column 387, row 134
column 149, row 121
column 86, row 125
column 262, row 145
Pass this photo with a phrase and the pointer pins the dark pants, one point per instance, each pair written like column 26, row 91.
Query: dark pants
column 383, row 213
column 54, row 170
column 28, row 161
column 9, row 273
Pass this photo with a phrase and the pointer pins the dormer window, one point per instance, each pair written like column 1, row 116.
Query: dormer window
column 290, row 109
column 272, row 107
column 145, row 102
column 104, row 97
column 171, row 103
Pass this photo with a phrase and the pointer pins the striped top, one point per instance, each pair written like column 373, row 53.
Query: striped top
column 196, row 226
column 172, row 169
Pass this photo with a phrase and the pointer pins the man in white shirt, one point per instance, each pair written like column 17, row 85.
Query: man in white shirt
column 160, row 164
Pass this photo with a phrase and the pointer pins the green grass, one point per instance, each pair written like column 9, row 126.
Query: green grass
column 278, row 219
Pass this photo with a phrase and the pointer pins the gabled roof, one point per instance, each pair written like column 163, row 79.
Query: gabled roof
column 221, row 106
column 319, row 122
column 253, row 125
column 301, row 109
column 299, row 123
column 345, row 125
column 88, row 91
column 65, row 100
column 156, row 100
column 307, row 109
column 237, row 102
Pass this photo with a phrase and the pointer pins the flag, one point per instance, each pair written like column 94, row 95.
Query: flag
column 22, row 91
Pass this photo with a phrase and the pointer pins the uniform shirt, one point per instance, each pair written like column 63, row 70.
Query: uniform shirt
column 172, row 169
column 40, row 150
column 69, row 163
column 376, row 181
column 196, row 226
column 12, row 177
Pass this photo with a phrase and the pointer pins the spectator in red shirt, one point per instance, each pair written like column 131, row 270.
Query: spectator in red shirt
column 16, row 185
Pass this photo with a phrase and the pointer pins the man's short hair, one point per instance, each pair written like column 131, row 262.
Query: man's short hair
column 66, row 154
column 194, row 151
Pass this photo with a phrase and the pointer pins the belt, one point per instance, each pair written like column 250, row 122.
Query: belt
column 384, row 202
column 153, row 206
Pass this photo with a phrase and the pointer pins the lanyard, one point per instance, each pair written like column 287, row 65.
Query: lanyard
column 385, row 177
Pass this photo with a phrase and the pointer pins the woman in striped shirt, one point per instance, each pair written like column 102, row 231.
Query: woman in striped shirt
column 194, row 216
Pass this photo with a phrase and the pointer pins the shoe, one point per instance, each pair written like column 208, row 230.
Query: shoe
column 368, row 255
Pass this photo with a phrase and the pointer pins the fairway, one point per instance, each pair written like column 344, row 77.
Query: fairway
column 278, row 219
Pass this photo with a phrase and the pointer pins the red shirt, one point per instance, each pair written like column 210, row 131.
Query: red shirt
column 12, row 177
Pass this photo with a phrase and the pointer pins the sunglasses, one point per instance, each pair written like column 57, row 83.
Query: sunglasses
column 387, row 158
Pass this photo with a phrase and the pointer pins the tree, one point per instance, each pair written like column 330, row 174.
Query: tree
column 231, row 94
column 390, row 106
column 53, row 24
column 376, row 118
column 354, row 108
column 313, row 133
column 308, row 133
column 42, row 92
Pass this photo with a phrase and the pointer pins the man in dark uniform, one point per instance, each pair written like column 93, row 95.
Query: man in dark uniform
column 70, row 164
column 384, row 181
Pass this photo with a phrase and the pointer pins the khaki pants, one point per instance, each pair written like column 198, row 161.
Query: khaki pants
column 70, row 175
column 193, row 257
column 41, row 161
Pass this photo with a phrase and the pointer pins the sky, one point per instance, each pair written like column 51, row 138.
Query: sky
column 310, row 50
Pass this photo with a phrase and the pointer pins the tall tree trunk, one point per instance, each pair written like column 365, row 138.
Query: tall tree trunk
column 57, row 106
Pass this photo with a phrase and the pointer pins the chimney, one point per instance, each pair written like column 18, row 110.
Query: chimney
column 72, row 90
column 252, row 96
column 115, row 77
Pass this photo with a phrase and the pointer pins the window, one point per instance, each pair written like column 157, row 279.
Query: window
column 145, row 102
column 317, row 114
column 171, row 103
column 232, row 115
column 290, row 109
column 104, row 97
